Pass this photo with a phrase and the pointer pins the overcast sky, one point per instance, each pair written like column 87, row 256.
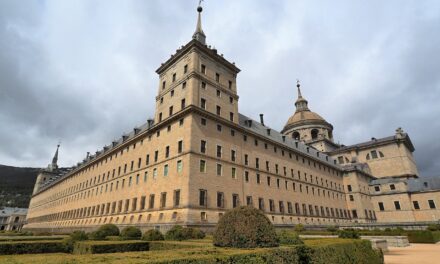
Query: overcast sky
column 83, row 72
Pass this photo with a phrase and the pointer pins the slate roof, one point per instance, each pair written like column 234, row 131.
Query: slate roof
column 422, row 184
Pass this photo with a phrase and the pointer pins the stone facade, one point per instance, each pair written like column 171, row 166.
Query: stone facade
column 200, row 157
column 12, row 219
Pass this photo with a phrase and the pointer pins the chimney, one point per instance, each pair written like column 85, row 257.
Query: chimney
column 136, row 130
column 88, row 155
column 262, row 119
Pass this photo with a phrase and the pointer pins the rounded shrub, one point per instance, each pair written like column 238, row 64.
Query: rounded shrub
column 299, row 228
column 97, row 235
column 245, row 227
column 289, row 238
column 109, row 230
column 348, row 233
column 78, row 235
column 153, row 235
column 131, row 232
column 193, row 233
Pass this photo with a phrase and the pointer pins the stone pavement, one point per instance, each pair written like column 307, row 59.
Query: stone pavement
column 414, row 254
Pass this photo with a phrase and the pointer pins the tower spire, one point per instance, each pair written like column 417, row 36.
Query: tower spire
column 301, row 103
column 54, row 164
column 199, row 34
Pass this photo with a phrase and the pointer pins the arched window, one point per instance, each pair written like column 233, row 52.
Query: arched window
column 295, row 135
column 315, row 133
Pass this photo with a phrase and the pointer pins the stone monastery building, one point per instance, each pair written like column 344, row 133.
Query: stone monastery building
column 200, row 157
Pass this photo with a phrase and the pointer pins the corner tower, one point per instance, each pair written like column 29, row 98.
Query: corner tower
column 196, row 75
column 309, row 127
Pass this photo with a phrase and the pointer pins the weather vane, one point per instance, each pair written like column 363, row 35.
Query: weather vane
column 297, row 82
column 200, row 2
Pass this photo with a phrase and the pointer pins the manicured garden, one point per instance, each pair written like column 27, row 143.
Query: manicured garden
column 243, row 235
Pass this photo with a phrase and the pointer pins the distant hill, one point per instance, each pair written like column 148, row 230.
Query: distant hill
column 16, row 185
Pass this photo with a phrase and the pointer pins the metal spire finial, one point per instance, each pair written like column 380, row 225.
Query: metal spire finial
column 298, row 85
column 199, row 34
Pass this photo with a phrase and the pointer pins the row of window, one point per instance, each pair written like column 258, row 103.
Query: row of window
column 416, row 205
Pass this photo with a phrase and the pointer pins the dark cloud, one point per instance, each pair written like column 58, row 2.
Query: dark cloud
column 83, row 71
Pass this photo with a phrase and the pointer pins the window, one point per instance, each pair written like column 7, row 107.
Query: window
column 230, row 84
column 314, row 133
column 203, row 121
column 203, row 216
column 374, row 154
column 397, row 205
column 271, row 205
column 160, row 117
column 217, row 77
column 181, row 122
column 233, row 155
column 147, row 159
column 185, row 68
column 203, row 197
column 231, row 100
column 142, row 205
column 381, row 207
column 235, row 200
column 351, row 197
column 182, row 104
column 167, row 152
column 218, row 110
column 246, row 159
column 176, row 198
column 203, row 69
column 219, row 169
column 165, row 170
column 258, row 178
column 163, row 199
column 416, row 205
column 219, row 128
column 219, row 151
column 249, row 200
column 203, row 85
column 172, row 93
column 246, row 176
column 289, row 208
column 163, row 85
column 179, row 166
column 234, row 173
column 377, row 188
column 261, row 203
column 154, row 175
column 231, row 116
column 203, row 103
column 341, row 160
column 392, row 187
column 156, row 155
column 219, row 94
column 151, row 202
column 133, row 204
column 431, row 204
column 180, row 146
column 203, row 146
column 349, row 188
column 220, row 200
column 268, row 180
column 174, row 77
column 202, row 166
column 281, row 206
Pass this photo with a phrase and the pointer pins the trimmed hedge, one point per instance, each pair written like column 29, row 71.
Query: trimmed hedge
column 32, row 247
column 356, row 251
column 98, row 247
column 180, row 233
column 289, row 238
column 245, row 227
column 348, row 233
column 423, row 237
column 169, row 245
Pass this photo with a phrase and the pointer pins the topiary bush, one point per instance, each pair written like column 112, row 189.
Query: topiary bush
column 109, row 230
column 299, row 228
column 193, row 233
column 245, row 227
column 433, row 227
column 348, row 233
column 153, row 235
column 97, row 235
column 131, row 232
column 289, row 238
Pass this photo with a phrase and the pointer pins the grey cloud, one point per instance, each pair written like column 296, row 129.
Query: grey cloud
column 83, row 72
